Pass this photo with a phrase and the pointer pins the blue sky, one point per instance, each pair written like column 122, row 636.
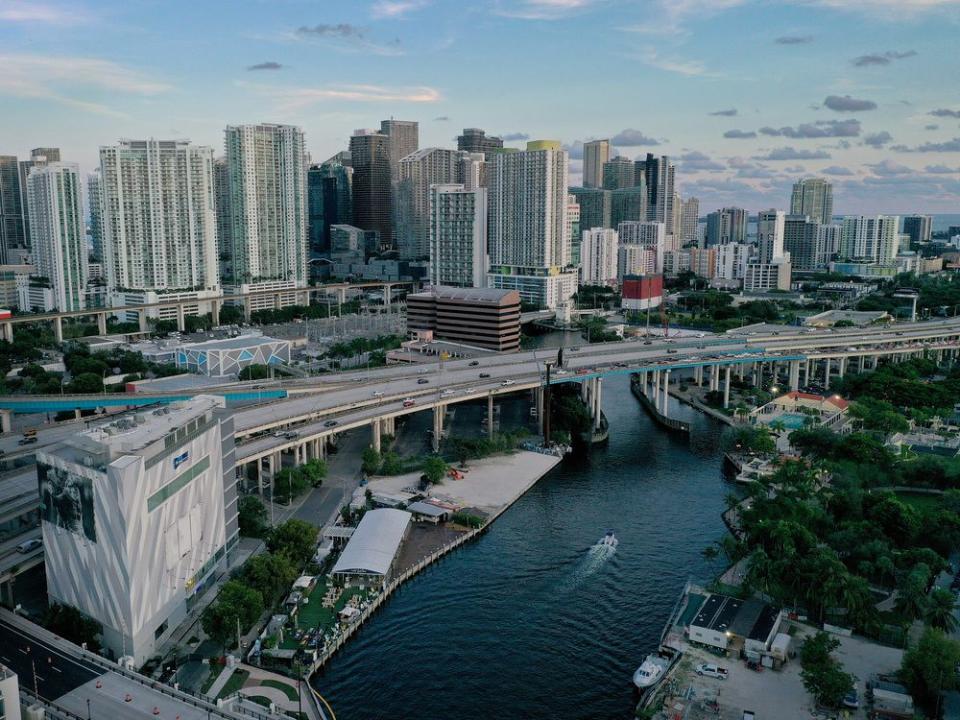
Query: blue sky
column 746, row 95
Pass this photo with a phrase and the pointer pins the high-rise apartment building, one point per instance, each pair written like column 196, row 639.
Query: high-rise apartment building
column 59, row 237
column 918, row 227
column 871, row 239
column 731, row 260
column 329, row 202
column 159, row 221
column 703, row 261
column 38, row 158
column 573, row 230
column 770, row 235
column 404, row 138
column 95, row 199
column 475, row 140
column 595, row 207
column 11, row 208
column 457, row 235
column 727, row 225
column 223, row 210
column 620, row 172
column 138, row 517
column 418, row 172
column 635, row 260
column 528, row 243
column 595, row 154
column 628, row 205
column 652, row 235
column 658, row 172
column 813, row 197
column 689, row 219
column 599, row 257
column 268, row 199
column 831, row 241
column 372, row 194
column 802, row 238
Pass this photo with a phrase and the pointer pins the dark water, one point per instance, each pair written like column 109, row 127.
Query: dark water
column 528, row 622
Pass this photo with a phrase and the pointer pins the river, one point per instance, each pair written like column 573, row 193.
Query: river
column 529, row 621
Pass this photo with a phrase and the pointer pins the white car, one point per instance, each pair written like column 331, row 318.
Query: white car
column 448, row 393
column 711, row 670
column 505, row 383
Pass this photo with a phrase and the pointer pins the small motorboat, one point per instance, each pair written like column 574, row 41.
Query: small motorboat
column 650, row 672
column 610, row 540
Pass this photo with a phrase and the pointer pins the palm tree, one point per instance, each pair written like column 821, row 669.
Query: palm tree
column 941, row 610
column 777, row 427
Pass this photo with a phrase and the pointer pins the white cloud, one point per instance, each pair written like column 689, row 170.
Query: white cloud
column 61, row 79
column 690, row 68
column 26, row 11
column 291, row 99
column 395, row 8
column 541, row 9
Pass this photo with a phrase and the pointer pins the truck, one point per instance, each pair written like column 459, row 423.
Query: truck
column 711, row 670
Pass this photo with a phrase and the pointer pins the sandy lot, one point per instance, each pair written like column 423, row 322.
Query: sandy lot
column 488, row 484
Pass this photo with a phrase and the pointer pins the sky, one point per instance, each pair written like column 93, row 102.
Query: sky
column 745, row 95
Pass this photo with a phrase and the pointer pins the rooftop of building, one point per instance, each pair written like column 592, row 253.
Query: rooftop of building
column 859, row 318
column 470, row 294
column 235, row 343
column 374, row 544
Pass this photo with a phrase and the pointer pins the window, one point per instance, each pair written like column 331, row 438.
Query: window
column 161, row 629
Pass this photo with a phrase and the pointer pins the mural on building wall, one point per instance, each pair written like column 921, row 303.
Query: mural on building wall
column 66, row 500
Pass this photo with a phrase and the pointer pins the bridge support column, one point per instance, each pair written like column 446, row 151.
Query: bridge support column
column 181, row 319
column 102, row 323
column 215, row 313
column 5, row 420
column 596, row 404
column 387, row 293
column 272, row 467
column 490, row 416
column 258, row 475
column 698, row 375
column 876, row 361
column 142, row 319
column 755, row 375
column 58, row 329
column 438, row 412
column 666, row 396
column 8, row 332
column 842, row 362
column 826, row 373
column 806, row 373
column 726, row 387
column 246, row 308
column 375, row 426
column 794, row 375
column 654, row 393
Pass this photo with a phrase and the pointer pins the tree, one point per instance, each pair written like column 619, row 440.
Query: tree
column 236, row 602
column 86, row 383
column 434, row 468
column 911, row 597
column 941, row 609
column 289, row 483
column 270, row 574
column 296, row 539
column 370, row 461
column 314, row 471
column 70, row 623
column 746, row 439
column 930, row 667
column 823, row 676
column 252, row 516
column 255, row 372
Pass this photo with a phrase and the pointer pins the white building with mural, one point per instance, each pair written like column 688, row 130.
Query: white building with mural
column 136, row 517
column 231, row 355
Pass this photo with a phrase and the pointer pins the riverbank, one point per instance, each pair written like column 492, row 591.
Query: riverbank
column 490, row 485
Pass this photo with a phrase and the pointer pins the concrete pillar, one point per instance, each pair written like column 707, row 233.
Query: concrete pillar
column 375, row 425
column 58, row 329
column 272, row 465
column 843, row 366
column 794, row 375
column 597, row 407
column 876, row 361
column 246, row 308
column 102, row 323
column 806, row 372
column 181, row 319
column 8, row 332
column 5, row 421
column 726, row 387
column 142, row 319
column 215, row 312
column 437, row 427
column 698, row 375
column 387, row 295
column 655, row 390
column 277, row 301
column 755, row 373
column 490, row 416
column 666, row 387
column 826, row 373
column 258, row 475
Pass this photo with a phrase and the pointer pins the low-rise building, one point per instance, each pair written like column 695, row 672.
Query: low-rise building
column 137, row 516
column 733, row 625
column 231, row 355
column 9, row 695
column 794, row 410
column 368, row 560
column 641, row 292
column 481, row 317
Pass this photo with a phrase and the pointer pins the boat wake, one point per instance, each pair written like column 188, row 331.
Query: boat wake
column 597, row 556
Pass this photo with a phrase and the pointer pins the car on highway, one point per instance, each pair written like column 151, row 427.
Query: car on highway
column 422, row 381
column 711, row 670
column 27, row 440
column 29, row 545
column 409, row 402
column 447, row 393
column 474, row 363
column 378, row 394
column 505, row 383
column 331, row 423
column 484, row 376
column 291, row 435
column 32, row 432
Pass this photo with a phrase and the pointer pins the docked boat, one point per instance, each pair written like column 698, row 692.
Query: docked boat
column 650, row 671
column 610, row 540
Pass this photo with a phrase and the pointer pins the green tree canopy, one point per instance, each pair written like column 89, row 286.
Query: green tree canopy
column 297, row 539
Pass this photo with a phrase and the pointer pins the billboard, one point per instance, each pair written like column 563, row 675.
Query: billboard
column 66, row 500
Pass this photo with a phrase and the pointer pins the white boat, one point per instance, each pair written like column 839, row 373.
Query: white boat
column 650, row 671
column 610, row 540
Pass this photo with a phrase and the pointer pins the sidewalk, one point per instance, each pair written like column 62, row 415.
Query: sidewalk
column 277, row 696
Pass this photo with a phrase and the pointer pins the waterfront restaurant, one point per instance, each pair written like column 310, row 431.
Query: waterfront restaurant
column 368, row 559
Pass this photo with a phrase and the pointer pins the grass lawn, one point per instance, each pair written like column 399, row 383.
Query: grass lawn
column 921, row 501
column 212, row 676
column 235, row 682
column 259, row 700
column 285, row 688
column 314, row 615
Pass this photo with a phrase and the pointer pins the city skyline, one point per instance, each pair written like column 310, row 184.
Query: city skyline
column 83, row 75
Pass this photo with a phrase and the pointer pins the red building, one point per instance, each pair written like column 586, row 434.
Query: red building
column 640, row 292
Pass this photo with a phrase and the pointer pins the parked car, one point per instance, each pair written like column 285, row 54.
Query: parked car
column 29, row 545
column 711, row 670
column 331, row 423
column 422, row 381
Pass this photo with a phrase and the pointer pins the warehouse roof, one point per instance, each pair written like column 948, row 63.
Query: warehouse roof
column 374, row 544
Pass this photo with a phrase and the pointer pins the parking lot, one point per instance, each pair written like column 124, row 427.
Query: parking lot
column 777, row 694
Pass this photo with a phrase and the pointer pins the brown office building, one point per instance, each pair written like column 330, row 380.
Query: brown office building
column 481, row 317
